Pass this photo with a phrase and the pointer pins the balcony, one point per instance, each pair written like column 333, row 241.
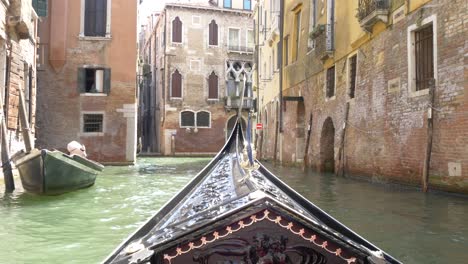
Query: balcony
column 372, row 11
column 324, row 41
column 234, row 102
column 240, row 49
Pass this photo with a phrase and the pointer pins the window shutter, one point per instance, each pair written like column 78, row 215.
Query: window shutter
column 40, row 6
column 213, row 86
column 107, row 80
column 90, row 18
column 176, row 85
column 213, row 33
column 203, row 119
column 177, row 30
column 81, row 80
column 101, row 17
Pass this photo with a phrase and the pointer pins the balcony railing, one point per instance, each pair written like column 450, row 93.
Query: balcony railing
column 240, row 49
column 372, row 11
column 234, row 102
column 325, row 42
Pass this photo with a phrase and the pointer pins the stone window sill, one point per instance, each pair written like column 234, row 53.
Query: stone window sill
column 93, row 94
column 87, row 38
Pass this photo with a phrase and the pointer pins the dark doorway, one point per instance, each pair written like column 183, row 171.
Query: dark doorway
column 230, row 125
column 327, row 147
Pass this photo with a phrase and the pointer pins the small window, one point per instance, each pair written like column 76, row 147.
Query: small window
column 187, row 119
column 94, row 80
column 297, row 33
column 213, row 33
column 352, row 75
column 203, row 119
column 330, row 82
column 286, row 50
column 234, row 39
column 228, row 3
column 93, row 123
column 424, row 57
column 177, row 30
column 95, row 18
column 176, row 85
column 247, row 4
column 213, row 86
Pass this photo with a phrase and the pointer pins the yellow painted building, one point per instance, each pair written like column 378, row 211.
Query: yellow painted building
column 357, row 77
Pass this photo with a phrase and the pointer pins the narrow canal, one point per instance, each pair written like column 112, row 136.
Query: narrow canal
column 85, row 226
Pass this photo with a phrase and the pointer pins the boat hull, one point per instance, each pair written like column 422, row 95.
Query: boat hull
column 53, row 172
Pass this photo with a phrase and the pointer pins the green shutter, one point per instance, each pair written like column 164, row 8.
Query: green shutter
column 107, row 80
column 81, row 80
column 40, row 6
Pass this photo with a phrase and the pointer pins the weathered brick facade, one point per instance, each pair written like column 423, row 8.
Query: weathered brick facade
column 67, row 49
column 386, row 130
column 195, row 60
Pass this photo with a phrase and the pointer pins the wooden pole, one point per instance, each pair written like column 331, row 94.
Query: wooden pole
column 306, row 151
column 341, row 172
column 6, row 165
column 25, row 130
column 430, row 120
column 276, row 139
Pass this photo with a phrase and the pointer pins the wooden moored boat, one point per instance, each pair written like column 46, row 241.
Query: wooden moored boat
column 232, row 213
column 54, row 172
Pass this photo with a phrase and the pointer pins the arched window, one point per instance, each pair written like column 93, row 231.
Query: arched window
column 176, row 85
column 177, row 30
column 187, row 119
column 213, row 86
column 213, row 33
column 203, row 119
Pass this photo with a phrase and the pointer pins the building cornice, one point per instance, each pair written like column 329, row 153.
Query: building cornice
column 209, row 8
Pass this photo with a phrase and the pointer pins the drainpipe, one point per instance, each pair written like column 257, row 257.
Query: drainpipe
column 281, row 21
column 257, row 58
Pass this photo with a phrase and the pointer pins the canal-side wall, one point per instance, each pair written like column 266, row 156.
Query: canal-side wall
column 67, row 51
column 386, row 130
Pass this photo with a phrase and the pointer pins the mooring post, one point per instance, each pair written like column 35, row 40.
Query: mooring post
column 6, row 165
column 430, row 125
column 343, row 138
column 306, row 151
column 25, row 129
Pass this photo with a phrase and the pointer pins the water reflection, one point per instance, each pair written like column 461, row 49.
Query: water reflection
column 90, row 223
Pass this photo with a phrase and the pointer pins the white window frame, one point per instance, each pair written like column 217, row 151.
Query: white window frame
column 247, row 38
column 348, row 75
column 325, row 86
column 228, row 35
column 82, row 133
column 412, row 56
column 181, row 85
column 108, row 22
column 194, row 118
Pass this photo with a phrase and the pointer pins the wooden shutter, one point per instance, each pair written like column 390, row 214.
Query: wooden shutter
column 352, row 75
column 176, row 89
column 81, row 80
column 213, row 86
column 107, row 80
column 213, row 28
column 187, row 119
column 101, row 17
column 90, row 18
column 40, row 6
column 331, row 82
column 203, row 119
column 177, row 30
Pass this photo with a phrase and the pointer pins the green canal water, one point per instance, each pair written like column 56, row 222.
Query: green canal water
column 86, row 225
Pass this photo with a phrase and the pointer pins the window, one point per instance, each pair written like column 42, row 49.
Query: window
column 95, row 18
column 250, row 40
column 312, row 24
column 203, row 119
column 213, row 86
column 187, row 119
column 177, row 30
column 176, row 85
column 94, row 80
column 297, row 33
column 213, row 33
column 424, row 56
column 278, row 54
column 352, row 64
column 234, row 39
column 40, row 6
column 247, row 4
column 228, row 3
column 286, row 50
column 93, row 123
column 330, row 85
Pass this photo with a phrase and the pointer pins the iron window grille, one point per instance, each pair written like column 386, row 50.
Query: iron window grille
column 93, row 123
